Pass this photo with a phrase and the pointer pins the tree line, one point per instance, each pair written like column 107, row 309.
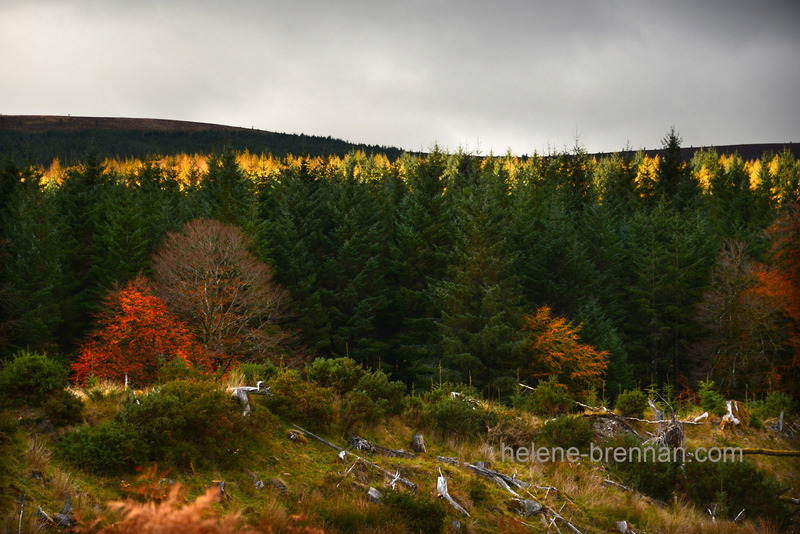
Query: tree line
column 607, row 274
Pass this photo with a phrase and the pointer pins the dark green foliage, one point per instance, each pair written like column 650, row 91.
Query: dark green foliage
column 253, row 372
column 33, row 270
column 299, row 401
column 654, row 478
column 341, row 374
column 372, row 398
column 479, row 294
column 387, row 394
column 567, row 431
column 177, row 369
column 550, row 398
column 735, row 485
column 185, row 423
column 420, row 512
column 632, row 403
column 425, row 261
column 425, row 234
column 111, row 448
column 459, row 417
column 63, row 408
column 710, row 399
column 773, row 404
column 30, row 378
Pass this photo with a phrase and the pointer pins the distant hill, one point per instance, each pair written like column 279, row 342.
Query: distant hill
column 40, row 139
column 747, row 152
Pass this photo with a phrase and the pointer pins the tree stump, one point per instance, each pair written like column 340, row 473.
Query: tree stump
column 418, row 443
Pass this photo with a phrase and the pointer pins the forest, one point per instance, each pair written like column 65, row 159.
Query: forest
column 442, row 267
column 485, row 301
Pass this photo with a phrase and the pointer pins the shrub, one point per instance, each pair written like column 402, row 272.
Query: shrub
column 772, row 406
column 632, row 403
column 741, row 483
column 567, row 431
column 341, row 374
column 30, row 378
column 461, row 418
column 253, row 372
column 187, row 423
column 550, row 398
column 178, row 369
column 653, row 478
column 109, row 449
column 420, row 512
column 388, row 395
column 64, row 408
column 710, row 398
column 300, row 401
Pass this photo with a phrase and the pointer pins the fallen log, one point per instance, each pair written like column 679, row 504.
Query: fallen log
column 362, row 444
column 504, row 481
column 770, row 452
column 242, row 394
column 441, row 487
column 394, row 476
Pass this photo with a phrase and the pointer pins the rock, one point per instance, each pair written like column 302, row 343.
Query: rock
column 374, row 495
column 526, row 507
column 278, row 484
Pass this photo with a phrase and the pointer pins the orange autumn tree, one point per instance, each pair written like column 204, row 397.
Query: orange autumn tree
column 782, row 283
column 135, row 334
column 554, row 346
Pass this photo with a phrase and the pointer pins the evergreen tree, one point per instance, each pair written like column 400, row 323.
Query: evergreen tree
column 424, row 249
column 359, row 295
column 299, row 221
column 226, row 194
column 479, row 297
column 77, row 201
column 670, row 255
column 673, row 181
column 34, row 265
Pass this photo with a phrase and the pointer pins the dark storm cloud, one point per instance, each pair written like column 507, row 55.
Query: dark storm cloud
column 488, row 76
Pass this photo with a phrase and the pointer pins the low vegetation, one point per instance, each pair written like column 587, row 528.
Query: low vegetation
column 182, row 455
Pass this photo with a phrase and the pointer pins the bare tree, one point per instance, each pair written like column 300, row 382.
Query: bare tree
column 207, row 275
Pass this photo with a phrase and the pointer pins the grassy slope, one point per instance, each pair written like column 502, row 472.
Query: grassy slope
column 332, row 495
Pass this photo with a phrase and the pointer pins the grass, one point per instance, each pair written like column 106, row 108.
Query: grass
column 323, row 492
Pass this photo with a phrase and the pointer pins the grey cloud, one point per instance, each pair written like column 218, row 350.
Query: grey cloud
column 515, row 74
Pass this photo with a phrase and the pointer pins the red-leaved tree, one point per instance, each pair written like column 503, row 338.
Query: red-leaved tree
column 135, row 335
column 207, row 275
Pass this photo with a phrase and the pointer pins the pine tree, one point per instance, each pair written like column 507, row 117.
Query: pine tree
column 299, row 220
column 424, row 249
column 34, row 266
column 479, row 297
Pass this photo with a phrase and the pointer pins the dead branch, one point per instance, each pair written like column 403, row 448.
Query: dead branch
column 441, row 487
column 362, row 444
column 770, row 452
column 342, row 452
column 504, row 481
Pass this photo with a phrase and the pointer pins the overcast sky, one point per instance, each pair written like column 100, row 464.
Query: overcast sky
column 484, row 76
